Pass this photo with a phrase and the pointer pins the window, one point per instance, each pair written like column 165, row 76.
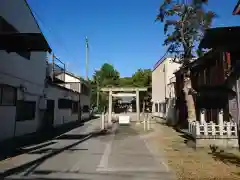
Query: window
column 25, row 110
column 8, row 95
column 85, row 108
column 156, row 107
column 5, row 27
column 75, row 107
column 64, row 104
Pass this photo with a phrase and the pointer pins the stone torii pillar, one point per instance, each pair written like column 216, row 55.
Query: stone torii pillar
column 110, row 107
column 138, row 105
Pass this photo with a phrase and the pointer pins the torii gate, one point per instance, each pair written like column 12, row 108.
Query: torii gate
column 114, row 92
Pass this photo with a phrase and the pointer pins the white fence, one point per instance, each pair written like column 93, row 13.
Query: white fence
column 226, row 129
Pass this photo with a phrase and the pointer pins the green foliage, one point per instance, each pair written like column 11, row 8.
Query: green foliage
column 142, row 78
column 126, row 82
column 184, row 26
column 106, row 76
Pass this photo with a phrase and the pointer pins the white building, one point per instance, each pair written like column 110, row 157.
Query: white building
column 22, row 73
column 28, row 101
column 62, row 105
column 79, row 85
column 163, row 88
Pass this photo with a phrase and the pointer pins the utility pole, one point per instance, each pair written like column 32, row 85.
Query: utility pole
column 87, row 54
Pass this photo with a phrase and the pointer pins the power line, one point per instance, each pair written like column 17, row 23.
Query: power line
column 49, row 29
column 160, row 60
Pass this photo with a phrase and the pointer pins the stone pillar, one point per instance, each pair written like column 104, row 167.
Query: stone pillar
column 110, row 107
column 220, row 117
column 220, row 121
column 153, row 107
column 202, row 116
column 138, row 106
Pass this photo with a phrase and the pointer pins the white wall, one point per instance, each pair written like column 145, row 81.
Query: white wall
column 162, row 75
column 171, row 68
column 69, row 78
column 16, row 70
column 73, row 81
column 158, row 81
column 85, row 100
column 61, row 116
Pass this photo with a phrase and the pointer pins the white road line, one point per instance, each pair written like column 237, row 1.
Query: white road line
column 157, row 159
column 130, row 169
column 106, row 154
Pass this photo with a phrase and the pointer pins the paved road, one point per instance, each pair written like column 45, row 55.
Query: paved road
column 81, row 155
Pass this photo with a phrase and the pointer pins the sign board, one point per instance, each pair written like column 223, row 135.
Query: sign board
column 124, row 120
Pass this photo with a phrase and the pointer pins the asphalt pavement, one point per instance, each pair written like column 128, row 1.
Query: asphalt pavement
column 85, row 154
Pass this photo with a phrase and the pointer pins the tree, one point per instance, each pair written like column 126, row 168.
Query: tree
column 126, row 82
column 106, row 76
column 142, row 78
column 184, row 25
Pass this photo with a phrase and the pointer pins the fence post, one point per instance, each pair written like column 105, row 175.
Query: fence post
column 148, row 122
column 102, row 121
column 220, row 122
column 205, row 126
column 202, row 117
column 197, row 129
column 228, row 129
column 144, row 123
column 213, row 129
column 236, row 130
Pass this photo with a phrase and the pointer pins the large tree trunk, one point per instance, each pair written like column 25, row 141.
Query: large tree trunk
column 189, row 100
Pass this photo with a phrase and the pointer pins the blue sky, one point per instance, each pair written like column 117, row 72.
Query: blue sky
column 120, row 32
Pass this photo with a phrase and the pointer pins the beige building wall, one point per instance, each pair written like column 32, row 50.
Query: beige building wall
column 162, row 88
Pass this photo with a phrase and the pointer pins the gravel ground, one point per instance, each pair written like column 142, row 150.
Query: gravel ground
column 190, row 164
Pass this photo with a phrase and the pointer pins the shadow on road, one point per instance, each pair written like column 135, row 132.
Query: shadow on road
column 29, row 167
column 43, row 179
column 17, row 146
column 49, row 150
column 227, row 158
